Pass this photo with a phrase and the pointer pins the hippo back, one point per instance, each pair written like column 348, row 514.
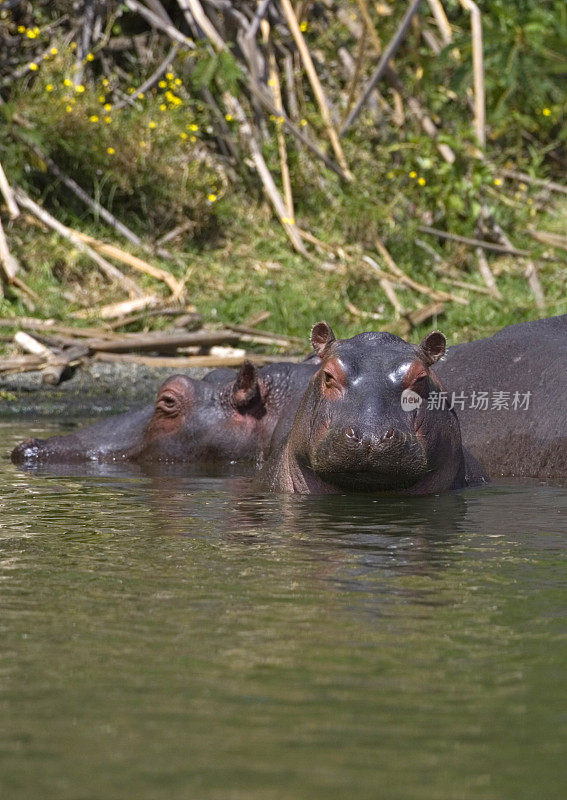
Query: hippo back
column 523, row 431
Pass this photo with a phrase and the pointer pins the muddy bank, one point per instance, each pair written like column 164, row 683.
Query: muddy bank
column 97, row 388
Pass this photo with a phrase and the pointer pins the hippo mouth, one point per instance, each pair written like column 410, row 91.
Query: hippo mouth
column 389, row 460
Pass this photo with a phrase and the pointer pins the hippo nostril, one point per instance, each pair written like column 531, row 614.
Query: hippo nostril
column 350, row 433
column 390, row 433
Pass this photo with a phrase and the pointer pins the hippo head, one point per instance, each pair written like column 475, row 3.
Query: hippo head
column 204, row 420
column 364, row 421
column 191, row 421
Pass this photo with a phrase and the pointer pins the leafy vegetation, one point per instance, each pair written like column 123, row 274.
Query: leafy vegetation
column 161, row 161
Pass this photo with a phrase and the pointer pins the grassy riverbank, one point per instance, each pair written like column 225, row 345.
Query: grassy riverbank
column 156, row 165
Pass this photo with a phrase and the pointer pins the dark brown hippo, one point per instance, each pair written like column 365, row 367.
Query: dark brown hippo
column 364, row 424
column 214, row 420
column 510, row 394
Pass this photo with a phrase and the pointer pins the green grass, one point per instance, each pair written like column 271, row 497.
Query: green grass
column 156, row 166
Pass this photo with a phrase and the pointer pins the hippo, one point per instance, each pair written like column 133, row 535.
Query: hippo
column 510, row 395
column 214, row 420
column 363, row 423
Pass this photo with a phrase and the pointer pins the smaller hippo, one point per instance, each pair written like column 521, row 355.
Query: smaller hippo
column 364, row 424
column 203, row 421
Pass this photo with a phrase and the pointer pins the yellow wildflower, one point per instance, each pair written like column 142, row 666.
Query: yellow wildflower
column 89, row 57
column 110, row 151
column 421, row 181
column 497, row 182
column 49, row 87
column 31, row 34
column 33, row 66
column 272, row 117
column 93, row 118
column 79, row 88
column 178, row 82
column 101, row 98
column 228, row 117
column 73, row 46
column 152, row 124
column 141, row 95
column 163, row 107
column 107, row 106
column 413, row 174
column 105, row 82
column 68, row 108
column 390, row 175
column 193, row 127
column 183, row 135
column 54, row 51
column 303, row 123
column 131, row 90
column 303, row 26
column 21, row 28
column 211, row 197
column 67, row 82
column 193, row 139
column 162, row 84
column 108, row 120
column 546, row 112
column 523, row 187
column 170, row 76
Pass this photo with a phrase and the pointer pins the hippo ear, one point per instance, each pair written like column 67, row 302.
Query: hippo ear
column 321, row 337
column 246, row 385
column 432, row 348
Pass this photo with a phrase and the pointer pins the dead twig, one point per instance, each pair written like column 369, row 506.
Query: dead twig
column 183, row 362
column 8, row 263
column 134, row 262
column 478, row 70
column 316, row 85
column 263, row 172
column 151, row 81
column 79, row 192
column 115, row 310
column 549, row 238
column 388, row 53
column 274, row 82
column 435, row 294
column 523, row 177
column 8, row 195
column 486, row 273
column 111, row 272
column 496, row 248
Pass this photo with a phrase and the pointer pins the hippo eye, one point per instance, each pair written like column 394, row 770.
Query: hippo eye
column 167, row 403
column 329, row 379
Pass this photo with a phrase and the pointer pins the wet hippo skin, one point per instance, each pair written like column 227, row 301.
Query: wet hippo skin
column 352, row 431
column 221, row 418
column 530, row 357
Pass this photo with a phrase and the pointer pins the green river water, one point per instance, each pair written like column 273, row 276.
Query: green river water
column 176, row 636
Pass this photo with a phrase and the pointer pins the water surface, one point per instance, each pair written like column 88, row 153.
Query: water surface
column 175, row 636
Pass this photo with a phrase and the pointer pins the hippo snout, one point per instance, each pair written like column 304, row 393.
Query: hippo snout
column 380, row 440
column 27, row 450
